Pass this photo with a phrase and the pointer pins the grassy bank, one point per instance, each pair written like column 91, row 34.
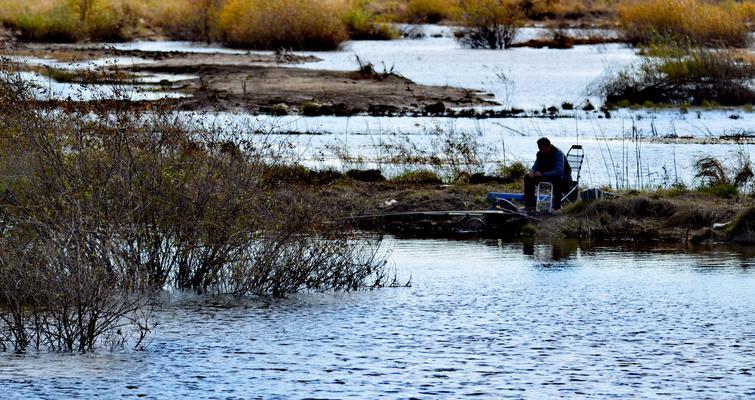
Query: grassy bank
column 688, row 216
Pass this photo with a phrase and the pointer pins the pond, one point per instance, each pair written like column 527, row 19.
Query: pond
column 482, row 317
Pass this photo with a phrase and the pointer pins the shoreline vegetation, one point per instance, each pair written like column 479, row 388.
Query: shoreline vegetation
column 325, row 24
column 103, row 209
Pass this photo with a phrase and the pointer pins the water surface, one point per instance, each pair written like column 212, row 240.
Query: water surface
column 496, row 320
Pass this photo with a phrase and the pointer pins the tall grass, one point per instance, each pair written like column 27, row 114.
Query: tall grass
column 364, row 24
column 430, row 11
column 70, row 21
column 568, row 9
column 678, row 76
column 276, row 24
column 695, row 22
column 186, row 19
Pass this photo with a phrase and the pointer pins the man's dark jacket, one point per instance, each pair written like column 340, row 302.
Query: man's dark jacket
column 553, row 164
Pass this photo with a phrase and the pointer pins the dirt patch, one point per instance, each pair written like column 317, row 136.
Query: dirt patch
column 265, row 89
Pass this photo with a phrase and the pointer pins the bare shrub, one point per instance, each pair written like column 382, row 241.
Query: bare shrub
column 490, row 24
column 103, row 206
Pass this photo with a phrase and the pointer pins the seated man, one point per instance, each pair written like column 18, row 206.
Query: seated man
column 550, row 166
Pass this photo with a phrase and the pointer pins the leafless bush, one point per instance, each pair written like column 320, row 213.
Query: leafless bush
column 490, row 24
column 103, row 206
column 448, row 153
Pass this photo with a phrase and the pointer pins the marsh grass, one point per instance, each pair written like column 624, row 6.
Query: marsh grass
column 276, row 24
column 678, row 75
column 742, row 229
column 186, row 19
column 71, row 21
column 431, row 11
column 726, row 180
column 695, row 22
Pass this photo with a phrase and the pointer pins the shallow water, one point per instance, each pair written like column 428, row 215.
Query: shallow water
column 496, row 320
column 522, row 77
column 612, row 158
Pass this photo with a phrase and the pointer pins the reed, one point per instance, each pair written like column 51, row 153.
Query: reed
column 695, row 22
column 288, row 24
column 71, row 21
column 430, row 11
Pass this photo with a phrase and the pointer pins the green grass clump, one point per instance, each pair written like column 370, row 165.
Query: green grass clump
column 513, row 172
column 419, row 177
column 722, row 190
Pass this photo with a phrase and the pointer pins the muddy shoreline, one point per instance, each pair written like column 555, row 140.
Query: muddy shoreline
column 270, row 83
column 678, row 216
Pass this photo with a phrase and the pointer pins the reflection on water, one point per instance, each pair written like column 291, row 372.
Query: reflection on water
column 486, row 318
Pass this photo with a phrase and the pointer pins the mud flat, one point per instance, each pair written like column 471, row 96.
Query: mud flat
column 267, row 83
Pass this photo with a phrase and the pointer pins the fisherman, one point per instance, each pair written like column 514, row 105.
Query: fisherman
column 550, row 166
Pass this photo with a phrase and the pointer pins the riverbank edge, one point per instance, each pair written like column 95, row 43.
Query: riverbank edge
column 679, row 216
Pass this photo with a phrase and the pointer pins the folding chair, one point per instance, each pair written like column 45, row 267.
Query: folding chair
column 575, row 156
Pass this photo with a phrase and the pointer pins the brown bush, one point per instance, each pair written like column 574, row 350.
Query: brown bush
column 282, row 24
column 103, row 206
column 697, row 22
